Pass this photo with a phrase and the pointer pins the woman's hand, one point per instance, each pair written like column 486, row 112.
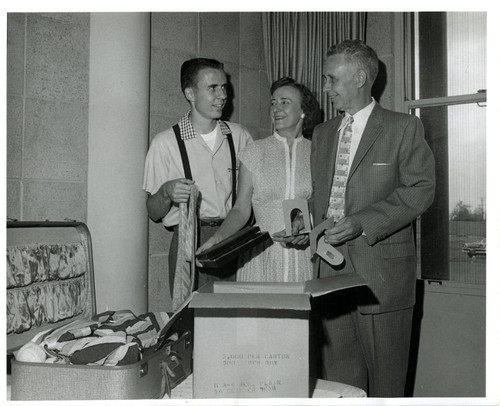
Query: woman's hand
column 290, row 241
column 296, row 239
column 209, row 243
column 215, row 239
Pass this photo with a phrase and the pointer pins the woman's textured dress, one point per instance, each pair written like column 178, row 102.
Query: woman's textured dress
column 279, row 172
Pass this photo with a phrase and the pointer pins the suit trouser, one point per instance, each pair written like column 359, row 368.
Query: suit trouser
column 385, row 340
column 369, row 351
column 226, row 273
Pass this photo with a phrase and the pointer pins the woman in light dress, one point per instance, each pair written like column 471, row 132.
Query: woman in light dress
column 274, row 169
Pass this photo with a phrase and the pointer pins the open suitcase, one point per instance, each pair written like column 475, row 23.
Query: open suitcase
column 159, row 371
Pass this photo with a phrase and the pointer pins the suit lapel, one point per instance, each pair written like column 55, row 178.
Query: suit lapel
column 372, row 131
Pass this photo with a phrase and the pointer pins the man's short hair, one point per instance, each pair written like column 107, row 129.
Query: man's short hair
column 359, row 53
column 190, row 69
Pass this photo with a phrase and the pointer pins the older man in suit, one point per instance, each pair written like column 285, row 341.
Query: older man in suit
column 373, row 171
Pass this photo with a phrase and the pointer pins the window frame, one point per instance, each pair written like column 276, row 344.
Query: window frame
column 405, row 102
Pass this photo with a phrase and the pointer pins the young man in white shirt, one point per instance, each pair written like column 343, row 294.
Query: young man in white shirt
column 208, row 142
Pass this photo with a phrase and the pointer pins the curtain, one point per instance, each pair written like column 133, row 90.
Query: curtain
column 295, row 45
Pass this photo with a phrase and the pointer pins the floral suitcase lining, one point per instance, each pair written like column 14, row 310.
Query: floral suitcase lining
column 46, row 283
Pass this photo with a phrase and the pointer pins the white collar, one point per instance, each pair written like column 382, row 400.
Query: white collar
column 361, row 117
column 284, row 139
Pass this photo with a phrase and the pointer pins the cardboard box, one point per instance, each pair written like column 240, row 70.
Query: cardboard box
column 251, row 340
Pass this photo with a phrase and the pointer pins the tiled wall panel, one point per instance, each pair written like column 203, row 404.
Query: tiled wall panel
column 219, row 36
column 57, row 59
column 380, row 36
column 55, row 201
column 250, row 102
column 55, row 140
column 15, row 53
column 13, row 203
column 251, row 40
column 166, row 97
column 14, row 136
column 175, row 31
column 47, row 115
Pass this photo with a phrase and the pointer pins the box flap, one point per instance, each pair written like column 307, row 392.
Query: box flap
column 250, row 295
column 256, row 287
column 270, row 295
column 323, row 286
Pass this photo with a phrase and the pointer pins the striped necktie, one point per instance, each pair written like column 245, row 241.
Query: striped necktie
column 337, row 195
column 184, row 277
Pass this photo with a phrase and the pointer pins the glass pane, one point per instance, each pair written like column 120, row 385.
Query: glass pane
column 452, row 232
column 450, row 54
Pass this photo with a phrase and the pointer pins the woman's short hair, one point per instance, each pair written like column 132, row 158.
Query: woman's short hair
column 309, row 104
column 190, row 69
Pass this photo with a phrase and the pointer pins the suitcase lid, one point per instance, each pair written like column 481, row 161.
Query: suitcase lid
column 50, row 235
column 181, row 319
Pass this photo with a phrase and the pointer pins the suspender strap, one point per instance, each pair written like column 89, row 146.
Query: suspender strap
column 185, row 159
column 233, row 160
column 182, row 149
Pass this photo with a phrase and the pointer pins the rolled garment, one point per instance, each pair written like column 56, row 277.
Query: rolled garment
column 184, row 278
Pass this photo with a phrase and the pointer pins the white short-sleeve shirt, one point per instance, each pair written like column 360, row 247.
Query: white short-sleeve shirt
column 211, row 169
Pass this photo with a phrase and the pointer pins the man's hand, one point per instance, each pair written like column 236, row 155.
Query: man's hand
column 177, row 190
column 344, row 230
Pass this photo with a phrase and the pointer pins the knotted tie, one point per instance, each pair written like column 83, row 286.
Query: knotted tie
column 337, row 195
column 185, row 267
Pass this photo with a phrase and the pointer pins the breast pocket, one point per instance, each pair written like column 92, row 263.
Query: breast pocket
column 376, row 179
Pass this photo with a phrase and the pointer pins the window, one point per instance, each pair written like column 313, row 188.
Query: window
column 445, row 85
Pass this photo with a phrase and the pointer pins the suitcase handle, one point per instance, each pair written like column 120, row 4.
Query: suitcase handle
column 168, row 373
column 165, row 381
column 143, row 370
column 173, row 361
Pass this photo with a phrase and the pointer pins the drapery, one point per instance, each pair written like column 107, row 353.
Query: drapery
column 295, row 45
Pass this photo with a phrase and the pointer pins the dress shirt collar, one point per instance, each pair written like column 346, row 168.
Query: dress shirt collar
column 361, row 117
column 188, row 131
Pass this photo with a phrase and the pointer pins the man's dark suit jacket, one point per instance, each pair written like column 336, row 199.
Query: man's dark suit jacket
column 391, row 182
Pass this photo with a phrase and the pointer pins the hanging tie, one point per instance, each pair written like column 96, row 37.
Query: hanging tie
column 337, row 195
column 185, row 267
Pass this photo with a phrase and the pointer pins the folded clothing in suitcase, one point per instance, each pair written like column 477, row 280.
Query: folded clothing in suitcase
column 74, row 353
column 109, row 338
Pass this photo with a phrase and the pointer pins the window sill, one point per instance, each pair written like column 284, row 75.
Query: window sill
column 453, row 288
